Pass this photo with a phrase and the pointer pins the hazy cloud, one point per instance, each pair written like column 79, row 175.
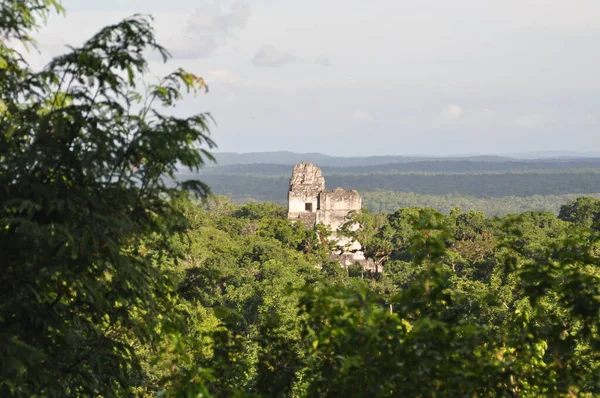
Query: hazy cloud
column 361, row 116
column 226, row 77
column 186, row 48
column 430, row 94
column 452, row 112
column 209, row 28
column 589, row 118
column 323, row 61
column 534, row 121
column 269, row 56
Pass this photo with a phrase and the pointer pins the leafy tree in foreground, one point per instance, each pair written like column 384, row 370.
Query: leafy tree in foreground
column 517, row 319
column 440, row 340
column 86, row 168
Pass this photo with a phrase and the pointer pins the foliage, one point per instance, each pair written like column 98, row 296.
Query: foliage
column 543, row 186
column 389, row 201
column 116, row 283
column 495, row 194
column 465, row 304
column 584, row 211
column 85, row 174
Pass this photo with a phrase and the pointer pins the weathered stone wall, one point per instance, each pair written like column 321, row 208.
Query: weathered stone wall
column 306, row 184
column 310, row 203
column 340, row 199
column 336, row 206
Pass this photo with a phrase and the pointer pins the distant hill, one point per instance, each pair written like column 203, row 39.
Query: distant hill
column 496, row 184
column 481, row 185
column 554, row 155
column 428, row 166
column 291, row 158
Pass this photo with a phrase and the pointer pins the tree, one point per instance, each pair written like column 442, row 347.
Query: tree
column 87, row 183
column 583, row 211
column 431, row 346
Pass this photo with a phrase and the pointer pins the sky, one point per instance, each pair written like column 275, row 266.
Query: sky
column 378, row 77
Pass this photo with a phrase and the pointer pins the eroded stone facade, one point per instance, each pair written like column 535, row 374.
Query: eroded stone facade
column 310, row 202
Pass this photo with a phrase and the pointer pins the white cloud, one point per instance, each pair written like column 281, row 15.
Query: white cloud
column 269, row 56
column 449, row 64
column 452, row 112
column 228, row 78
column 186, row 48
column 589, row 118
column 209, row 28
column 473, row 120
column 533, row 121
column 323, row 61
column 361, row 116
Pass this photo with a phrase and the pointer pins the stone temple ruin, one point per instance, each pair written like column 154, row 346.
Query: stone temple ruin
column 310, row 203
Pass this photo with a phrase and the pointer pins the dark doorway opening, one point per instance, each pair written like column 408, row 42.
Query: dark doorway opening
column 308, row 206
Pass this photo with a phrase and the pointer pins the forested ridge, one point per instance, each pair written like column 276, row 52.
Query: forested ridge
column 431, row 166
column 291, row 158
column 484, row 185
column 495, row 193
column 388, row 201
column 120, row 278
column 496, row 185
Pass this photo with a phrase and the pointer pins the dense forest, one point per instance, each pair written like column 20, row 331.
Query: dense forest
column 120, row 278
column 492, row 184
column 495, row 185
column 481, row 185
column 388, row 201
column 495, row 193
